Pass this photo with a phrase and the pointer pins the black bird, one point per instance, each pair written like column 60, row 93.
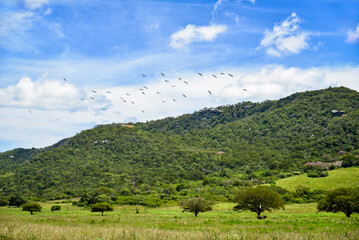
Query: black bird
column 158, row 92
column 173, row 85
column 82, row 99
column 180, row 79
column 65, row 79
column 166, row 81
column 93, row 91
column 184, row 95
column 230, row 74
column 163, row 101
column 108, row 92
column 222, row 73
column 200, row 74
column 92, row 98
column 124, row 100
column 128, row 94
column 244, row 89
column 132, row 102
column 143, row 75
column 141, row 89
column 162, row 74
column 143, row 111
column 145, row 87
column 143, row 93
column 174, row 100
column 185, row 82
column 209, row 92
column 30, row 111
column 214, row 75
column 103, row 109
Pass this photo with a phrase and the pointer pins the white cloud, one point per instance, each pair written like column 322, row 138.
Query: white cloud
column 353, row 35
column 286, row 38
column 33, row 4
column 41, row 94
column 194, row 33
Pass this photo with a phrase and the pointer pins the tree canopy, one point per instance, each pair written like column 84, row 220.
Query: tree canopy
column 102, row 207
column 31, row 207
column 344, row 200
column 196, row 205
column 258, row 200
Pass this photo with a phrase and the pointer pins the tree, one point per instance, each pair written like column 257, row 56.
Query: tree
column 31, row 207
column 196, row 205
column 16, row 201
column 344, row 200
column 258, row 200
column 102, row 207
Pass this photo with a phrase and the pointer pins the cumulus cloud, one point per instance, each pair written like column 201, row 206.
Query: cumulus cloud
column 353, row 35
column 194, row 33
column 41, row 94
column 285, row 38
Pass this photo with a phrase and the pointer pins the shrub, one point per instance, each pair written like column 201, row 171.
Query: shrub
column 102, row 207
column 31, row 207
column 196, row 205
column 55, row 208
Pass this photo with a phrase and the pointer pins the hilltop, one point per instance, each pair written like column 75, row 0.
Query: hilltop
column 211, row 152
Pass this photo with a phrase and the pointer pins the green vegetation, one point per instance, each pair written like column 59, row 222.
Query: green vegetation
column 212, row 153
column 196, row 205
column 343, row 177
column 258, row 200
column 55, row 208
column 101, row 207
column 297, row 221
column 31, row 207
column 344, row 200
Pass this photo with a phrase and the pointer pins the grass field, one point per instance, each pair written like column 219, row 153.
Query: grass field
column 342, row 177
column 297, row 221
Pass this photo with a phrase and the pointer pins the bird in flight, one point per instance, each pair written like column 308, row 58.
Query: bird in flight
column 143, row 75
column 92, row 98
column 200, row 74
column 173, row 85
column 145, row 87
column 158, row 92
column 184, row 95
column 222, row 73
column 214, row 75
column 103, row 109
column 30, row 111
column 185, row 82
column 162, row 74
column 180, row 79
column 166, row 81
column 209, row 92
column 108, row 92
column 244, row 89
column 128, row 94
column 230, row 75
column 132, row 102
column 143, row 93
column 82, row 99
column 174, row 100
column 93, row 91
column 65, row 79
column 143, row 111
column 163, row 101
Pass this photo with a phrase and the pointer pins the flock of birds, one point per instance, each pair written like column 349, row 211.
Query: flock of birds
column 143, row 90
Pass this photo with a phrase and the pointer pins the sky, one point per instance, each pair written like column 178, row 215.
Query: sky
column 69, row 65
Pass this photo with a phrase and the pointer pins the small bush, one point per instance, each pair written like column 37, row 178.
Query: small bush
column 55, row 208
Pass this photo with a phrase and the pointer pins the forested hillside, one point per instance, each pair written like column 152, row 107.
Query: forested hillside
column 210, row 152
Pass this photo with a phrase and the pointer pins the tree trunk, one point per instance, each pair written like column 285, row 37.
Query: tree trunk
column 195, row 213
column 31, row 212
column 102, row 213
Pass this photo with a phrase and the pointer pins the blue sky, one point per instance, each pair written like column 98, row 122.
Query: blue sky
column 271, row 48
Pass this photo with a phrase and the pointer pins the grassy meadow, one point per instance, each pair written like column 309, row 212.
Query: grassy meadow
column 296, row 221
column 341, row 177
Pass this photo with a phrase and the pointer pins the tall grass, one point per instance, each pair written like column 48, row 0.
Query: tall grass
column 297, row 221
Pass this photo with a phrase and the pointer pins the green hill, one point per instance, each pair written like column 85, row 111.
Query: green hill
column 211, row 152
column 344, row 177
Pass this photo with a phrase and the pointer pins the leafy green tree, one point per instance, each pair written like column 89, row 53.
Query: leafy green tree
column 344, row 200
column 31, row 207
column 16, row 201
column 258, row 200
column 102, row 207
column 196, row 205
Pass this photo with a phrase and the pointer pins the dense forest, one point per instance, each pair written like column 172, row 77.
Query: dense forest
column 212, row 152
